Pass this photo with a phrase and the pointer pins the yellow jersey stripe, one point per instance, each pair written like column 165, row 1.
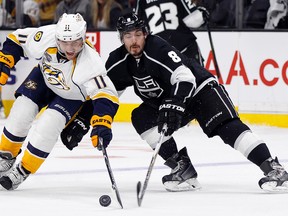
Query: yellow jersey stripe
column 112, row 98
column 13, row 38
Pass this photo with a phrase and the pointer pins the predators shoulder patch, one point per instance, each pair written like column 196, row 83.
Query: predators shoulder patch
column 38, row 36
column 30, row 84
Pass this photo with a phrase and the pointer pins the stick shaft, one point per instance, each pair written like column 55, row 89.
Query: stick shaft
column 112, row 179
column 218, row 73
column 141, row 191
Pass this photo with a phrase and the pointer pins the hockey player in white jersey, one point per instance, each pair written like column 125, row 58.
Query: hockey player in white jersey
column 70, row 72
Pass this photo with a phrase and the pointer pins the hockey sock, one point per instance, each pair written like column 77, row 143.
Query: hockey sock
column 259, row 154
column 168, row 148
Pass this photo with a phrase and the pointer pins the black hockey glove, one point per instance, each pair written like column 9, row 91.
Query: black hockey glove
column 205, row 13
column 74, row 132
column 171, row 112
column 101, row 128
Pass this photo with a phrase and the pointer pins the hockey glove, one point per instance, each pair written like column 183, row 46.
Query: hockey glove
column 171, row 112
column 205, row 13
column 101, row 128
column 72, row 135
column 6, row 63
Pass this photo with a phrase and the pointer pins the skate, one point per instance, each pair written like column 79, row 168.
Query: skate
column 6, row 162
column 183, row 176
column 14, row 178
column 276, row 179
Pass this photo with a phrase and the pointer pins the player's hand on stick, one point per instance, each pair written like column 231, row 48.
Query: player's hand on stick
column 101, row 128
column 72, row 135
column 171, row 112
column 6, row 63
column 205, row 13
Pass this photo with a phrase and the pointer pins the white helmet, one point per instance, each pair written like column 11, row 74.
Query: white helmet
column 71, row 27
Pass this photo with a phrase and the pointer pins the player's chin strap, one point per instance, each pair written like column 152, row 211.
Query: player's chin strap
column 112, row 179
column 141, row 191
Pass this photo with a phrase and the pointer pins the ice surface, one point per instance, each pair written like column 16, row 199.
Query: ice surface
column 71, row 182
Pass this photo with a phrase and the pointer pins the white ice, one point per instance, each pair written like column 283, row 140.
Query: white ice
column 71, row 182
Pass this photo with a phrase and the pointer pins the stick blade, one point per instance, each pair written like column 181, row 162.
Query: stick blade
column 118, row 199
column 138, row 189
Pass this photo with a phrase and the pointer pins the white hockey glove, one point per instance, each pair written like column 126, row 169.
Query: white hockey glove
column 197, row 18
column 205, row 14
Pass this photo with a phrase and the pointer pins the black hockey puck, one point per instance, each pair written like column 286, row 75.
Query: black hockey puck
column 105, row 200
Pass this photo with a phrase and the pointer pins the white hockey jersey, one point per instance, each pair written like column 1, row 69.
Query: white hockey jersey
column 78, row 79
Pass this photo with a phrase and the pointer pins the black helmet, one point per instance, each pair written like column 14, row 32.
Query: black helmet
column 128, row 22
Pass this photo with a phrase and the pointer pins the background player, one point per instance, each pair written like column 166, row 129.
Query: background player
column 172, row 20
column 69, row 72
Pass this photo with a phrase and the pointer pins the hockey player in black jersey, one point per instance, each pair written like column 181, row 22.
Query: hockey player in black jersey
column 174, row 19
column 176, row 90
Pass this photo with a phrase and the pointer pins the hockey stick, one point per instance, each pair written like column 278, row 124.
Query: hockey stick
column 213, row 51
column 141, row 191
column 112, row 179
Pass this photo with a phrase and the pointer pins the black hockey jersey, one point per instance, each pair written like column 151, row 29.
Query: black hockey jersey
column 165, row 18
column 161, row 72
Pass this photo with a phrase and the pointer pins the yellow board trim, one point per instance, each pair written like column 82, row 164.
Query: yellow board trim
column 279, row 120
column 124, row 115
column 124, row 112
column 7, row 104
